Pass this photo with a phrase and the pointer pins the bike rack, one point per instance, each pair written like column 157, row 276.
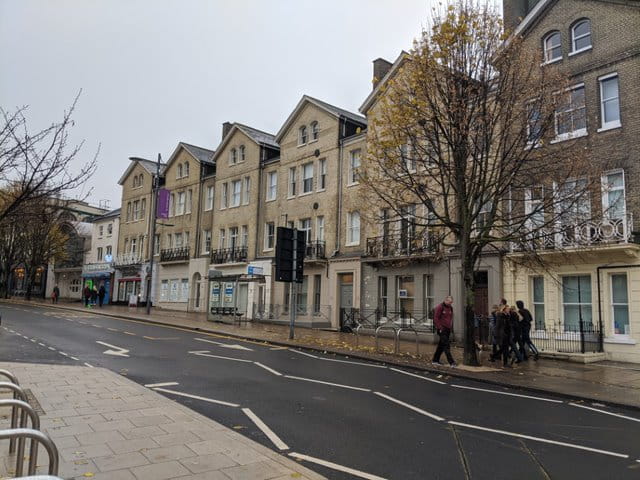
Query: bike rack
column 46, row 441
column 406, row 329
column 35, row 425
column 17, row 391
column 14, row 410
column 9, row 375
column 388, row 327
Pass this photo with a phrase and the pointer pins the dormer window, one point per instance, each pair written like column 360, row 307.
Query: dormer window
column 241, row 149
column 186, row 169
column 314, row 131
column 581, row 36
column 552, row 47
column 302, row 135
column 233, row 156
column 179, row 171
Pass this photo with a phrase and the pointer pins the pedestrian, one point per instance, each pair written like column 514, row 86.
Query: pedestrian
column 493, row 337
column 56, row 294
column 94, row 295
column 87, row 295
column 516, row 335
column 527, row 319
column 503, row 335
column 443, row 323
column 102, row 292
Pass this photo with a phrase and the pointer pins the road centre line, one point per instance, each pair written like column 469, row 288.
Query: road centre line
column 62, row 353
column 75, row 358
column 51, row 348
column 97, row 326
column 113, row 329
column 417, row 376
column 41, row 344
column 205, row 353
column 302, row 353
column 327, row 383
column 605, row 412
column 410, row 407
column 197, row 397
column 88, row 365
column 268, row 369
column 266, row 430
column 538, row 439
column 335, row 466
column 507, row 393
column 164, row 384
column 129, row 333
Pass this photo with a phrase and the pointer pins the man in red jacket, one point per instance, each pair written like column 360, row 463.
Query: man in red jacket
column 443, row 322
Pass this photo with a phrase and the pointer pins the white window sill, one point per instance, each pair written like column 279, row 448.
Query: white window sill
column 549, row 62
column 313, row 141
column 352, row 244
column 611, row 126
column 576, row 52
column 268, row 249
column 304, row 194
column 533, row 145
column 353, row 184
column 208, row 209
column 570, row 136
column 321, row 190
column 270, row 200
column 621, row 339
column 291, row 197
column 302, row 145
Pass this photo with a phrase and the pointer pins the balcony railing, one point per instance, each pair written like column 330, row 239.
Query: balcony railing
column 315, row 251
column 229, row 255
column 399, row 245
column 174, row 254
column 604, row 231
column 128, row 259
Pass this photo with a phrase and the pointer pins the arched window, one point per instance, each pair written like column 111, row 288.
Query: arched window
column 140, row 180
column 314, row 130
column 233, row 156
column 302, row 135
column 186, row 169
column 581, row 35
column 135, row 181
column 552, row 47
column 179, row 172
column 241, row 153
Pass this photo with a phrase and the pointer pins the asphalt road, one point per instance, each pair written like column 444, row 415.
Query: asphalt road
column 375, row 419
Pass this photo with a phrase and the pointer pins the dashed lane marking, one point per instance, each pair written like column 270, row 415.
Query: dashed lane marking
column 113, row 329
column 327, row 383
column 417, row 376
column 302, row 353
column 88, row 365
column 410, row 407
column 129, row 333
column 351, row 362
column 266, row 430
column 51, row 348
column 62, row 353
column 165, row 384
column 205, row 353
column 97, row 326
column 268, row 369
column 75, row 358
column 605, row 412
column 41, row 344
column 197, row 397
column 538, row 439
column 335, row 466
column 161, row 338
column 507, row 393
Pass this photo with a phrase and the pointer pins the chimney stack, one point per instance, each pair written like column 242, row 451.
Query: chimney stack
column 513, row 11
column 380, row 68
column 226, row 127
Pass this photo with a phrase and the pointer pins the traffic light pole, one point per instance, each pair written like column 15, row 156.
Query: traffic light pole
column 293, row 287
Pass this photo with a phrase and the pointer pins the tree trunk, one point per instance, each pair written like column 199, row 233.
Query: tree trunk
column 470, row 350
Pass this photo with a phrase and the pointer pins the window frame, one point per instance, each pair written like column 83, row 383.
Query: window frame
column 233, row 156
column 576, row 24
column 272, row 187
column 351, row 228
column 206, row 241
column 241, row 153
column 580, row 132
column 224, row 196
column 269, row 237
column 246, row 190
column 353, row 178
column 612, row 306
column 322, row 175
column 210, row 196
column 604, row 125
column 546, row 50
column 303, row 135
column 307, row 181
column 236, row 193
column 537, row 303
column 293, row 177
column 320, row 228
column 315, row 132
column 606, row 206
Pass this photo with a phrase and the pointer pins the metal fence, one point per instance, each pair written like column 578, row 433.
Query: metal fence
column 351, row 318
column 313, row 315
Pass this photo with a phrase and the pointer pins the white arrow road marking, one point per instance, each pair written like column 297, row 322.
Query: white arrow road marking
column 417, row 376
column 118, row 352
column 266, row 430
column 165, row 384
column 538, row 439
column 507, row 393
column 197, row 397
column 205, row 353
column 225, row 345
column 410, row 407
column 605, row 412
column 335, row 466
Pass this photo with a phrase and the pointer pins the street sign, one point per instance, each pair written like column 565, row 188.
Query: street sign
column 255, row 270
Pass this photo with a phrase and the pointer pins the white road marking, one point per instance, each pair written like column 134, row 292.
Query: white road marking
column 410, row 407
column 197, row 397
column 605, row 412
column 507, row 393
column 62, row 353
column 160, row 338
column 129, row 333
column 225, row 345
column 279, row 348
column 268, row 369
column 165, row 384
column 51, row 348
column 113, row 329
column 417, row 376
column 266, row 430
column 335, row 466
column 118, row 352
column 302, row 353
column 538, row 439
column 328, row 383
column 33, row 340
column 351, row 362
column 204, row 353
column 88, row 365
column 41, row 344
column 97, row 326
column 75, row 358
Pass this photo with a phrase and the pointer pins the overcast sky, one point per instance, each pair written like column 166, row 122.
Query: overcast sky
column 156, row 72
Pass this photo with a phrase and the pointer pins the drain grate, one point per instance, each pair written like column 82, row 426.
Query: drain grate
column 33, row 401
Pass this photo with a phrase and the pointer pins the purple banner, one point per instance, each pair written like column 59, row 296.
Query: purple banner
column 163, row 203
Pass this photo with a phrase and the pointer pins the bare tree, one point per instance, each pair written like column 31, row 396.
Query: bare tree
column 38, row 166
column 455, row 131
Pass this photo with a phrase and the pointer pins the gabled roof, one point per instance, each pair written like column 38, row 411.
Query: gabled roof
column 368, row 102
column 261, row 138
column 148, row 165
column 202, row 155
column 331, row 109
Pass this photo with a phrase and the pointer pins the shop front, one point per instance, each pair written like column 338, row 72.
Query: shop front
column 97, row 275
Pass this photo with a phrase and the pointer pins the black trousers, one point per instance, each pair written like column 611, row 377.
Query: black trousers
column 443, row 346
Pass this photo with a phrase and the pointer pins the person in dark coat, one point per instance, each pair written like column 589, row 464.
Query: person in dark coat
column 527, row 320
column 94, row 295
column 516, row 334
column 503, row 335
column 443, row 323
column 87, row 295
column 495, row 344
column 102, row 292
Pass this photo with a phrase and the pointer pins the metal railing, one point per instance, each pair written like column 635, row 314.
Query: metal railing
column 585, row 337
column 314, row 314
column 229, row 255
column 174, row 254
column 400, row 245
column 315, row 251
column 128, row 259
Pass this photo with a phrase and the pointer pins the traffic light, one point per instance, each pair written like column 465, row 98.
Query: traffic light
column 284, row 254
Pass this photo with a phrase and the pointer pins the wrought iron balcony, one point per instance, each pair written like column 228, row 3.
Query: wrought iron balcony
column 400, row 245
column 595, row 232
column 229, row 255
column 125, row 259
column 315, row 251
column 174, row 254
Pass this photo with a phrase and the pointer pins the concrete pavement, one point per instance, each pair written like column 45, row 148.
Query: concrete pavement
column 614, row 383
column 108, row 427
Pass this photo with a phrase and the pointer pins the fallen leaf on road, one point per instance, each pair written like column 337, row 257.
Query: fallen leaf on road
column 88, row 474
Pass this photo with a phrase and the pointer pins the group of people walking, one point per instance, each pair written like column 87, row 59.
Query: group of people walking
column 93, row 296
column 509, row 331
